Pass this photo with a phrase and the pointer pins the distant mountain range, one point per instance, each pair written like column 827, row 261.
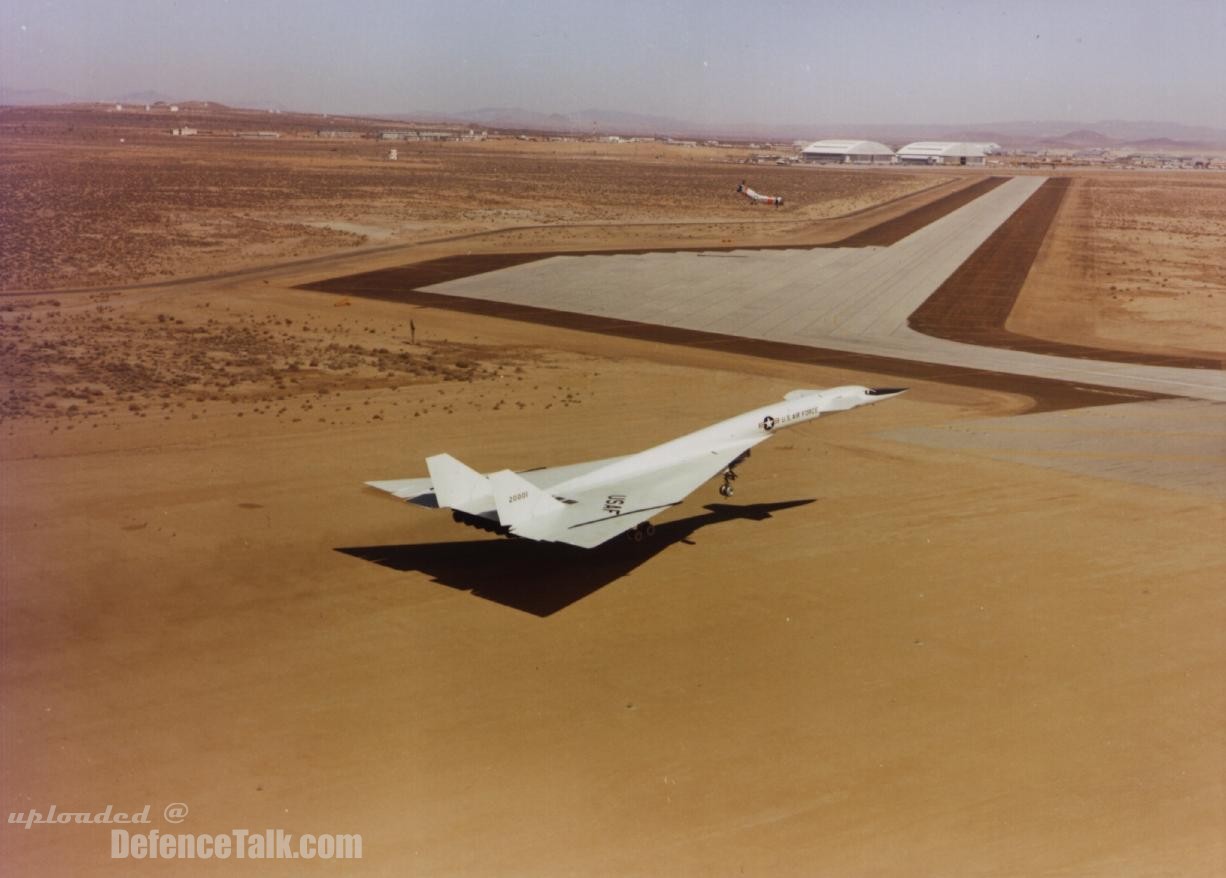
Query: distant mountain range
column 582, row 122
column 42, row 97
column 143, row 97
column 46, row 97
column 1067, row 134
column 1054, row 134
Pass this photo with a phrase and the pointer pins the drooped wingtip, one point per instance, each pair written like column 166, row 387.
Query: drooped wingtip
column 887, row 391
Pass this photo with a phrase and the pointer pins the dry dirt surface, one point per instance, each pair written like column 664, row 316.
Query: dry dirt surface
column 878, row 658
column 1134, row 262
column 974, row 305
column 89, row 361
column 78, row 208
column 975, row 661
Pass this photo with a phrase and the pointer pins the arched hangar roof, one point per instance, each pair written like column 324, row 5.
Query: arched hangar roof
column 943, row 148
column 847, row 147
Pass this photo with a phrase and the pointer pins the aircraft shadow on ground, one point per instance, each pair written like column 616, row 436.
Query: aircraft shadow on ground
column 542, row 578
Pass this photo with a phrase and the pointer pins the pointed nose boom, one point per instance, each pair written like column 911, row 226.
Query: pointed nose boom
column 853, row 397
column 841, row 399
column 880, row 393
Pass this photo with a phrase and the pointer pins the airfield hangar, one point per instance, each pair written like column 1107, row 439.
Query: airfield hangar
column 935, row 152
column 857, row 152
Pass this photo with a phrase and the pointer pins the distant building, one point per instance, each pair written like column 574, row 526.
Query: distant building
column 259, row 135
column 857, row 152
column 183, row 132
column 937, row 152
column 397, row 134
column 337, row 134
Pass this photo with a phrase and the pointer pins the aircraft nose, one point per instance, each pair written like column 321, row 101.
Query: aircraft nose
column 886, row 392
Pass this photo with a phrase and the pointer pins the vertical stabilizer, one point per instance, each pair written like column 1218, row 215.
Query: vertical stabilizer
column 458, row 486
column 522, row 505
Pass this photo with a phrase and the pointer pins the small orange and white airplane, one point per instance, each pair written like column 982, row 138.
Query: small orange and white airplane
column 758, row 198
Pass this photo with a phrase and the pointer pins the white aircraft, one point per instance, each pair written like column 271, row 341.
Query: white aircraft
column 759, row 198
column 586, row 504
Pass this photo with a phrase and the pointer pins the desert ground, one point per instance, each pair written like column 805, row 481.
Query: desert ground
column 881, row 657
column 80, row 208
column 1135, row 261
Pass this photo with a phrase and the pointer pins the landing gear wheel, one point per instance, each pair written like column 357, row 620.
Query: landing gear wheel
column 725, row 490
column 640, row 532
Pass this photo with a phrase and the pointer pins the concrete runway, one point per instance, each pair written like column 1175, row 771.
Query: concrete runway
column 849, row 299
column 1177, row 444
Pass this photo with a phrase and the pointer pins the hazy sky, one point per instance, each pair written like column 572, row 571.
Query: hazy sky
column 704, row 61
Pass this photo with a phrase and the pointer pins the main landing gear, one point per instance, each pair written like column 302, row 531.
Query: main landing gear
column 641, row 531
column 726, row 490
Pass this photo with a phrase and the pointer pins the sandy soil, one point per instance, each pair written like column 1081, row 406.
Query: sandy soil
column 81, row 210
column 877, row 655
column 93, row 362
column 978, row 301
column 1000, row 670
column 1135, row 262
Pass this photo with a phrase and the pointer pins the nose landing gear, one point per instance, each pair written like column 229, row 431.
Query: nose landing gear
column 726, row 489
